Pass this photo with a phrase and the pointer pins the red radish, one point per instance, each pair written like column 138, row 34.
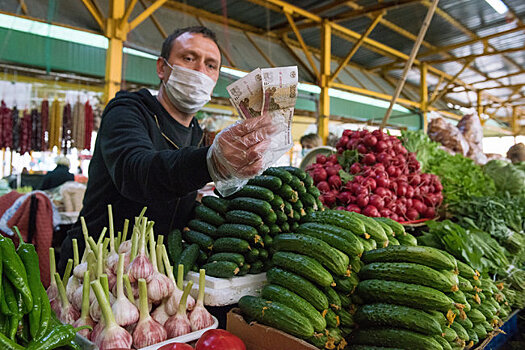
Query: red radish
column 370, row 183
column 362, row 201
column 369, row 159
column 359, row 179
column 419, row 206
column 382, row 181
column 381, row 146
column 148, row 331
column 385, row 213
column 430, row 213
column 371, row 211
column 320, row 175
column 362, row 148
column 339, row 208
column 176, row 346
column 111, row 335
column 381, row 192
column 410, row 192
column 328, row 164
column 141, row 266
column 335, row 182
column 342, row 141
column 323, row 186
column 124, row 311
column 331, row 171
column 332, row 158
column 412, row 214
column 354, row 208
column 344, row 197
column 328, row 199
column 379, row 168
column 320, row 159
column 347, row 133
column 85, row 319
column 370, row 140
column 377, row 201
column 391, row 170
column 200, row 318
column 219, row 339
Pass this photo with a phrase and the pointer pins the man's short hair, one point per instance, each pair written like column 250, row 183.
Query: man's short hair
column 168, row 42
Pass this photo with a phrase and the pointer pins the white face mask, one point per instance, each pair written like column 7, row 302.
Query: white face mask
column 188, row 89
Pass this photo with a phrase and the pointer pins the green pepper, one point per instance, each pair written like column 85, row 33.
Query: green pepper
column 4, row 323
column 9, row 297
column 8, row 344
column 15, row 319
column 14, row 270
column 59, row 336
column 23, row 331
column 45, row 315
column 29, row 257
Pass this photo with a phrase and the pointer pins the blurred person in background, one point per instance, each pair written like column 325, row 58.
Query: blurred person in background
column 309, row 142
column 517, row 153
column 58, row 176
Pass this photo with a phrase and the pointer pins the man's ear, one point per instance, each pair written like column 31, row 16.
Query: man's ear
column 160, row 68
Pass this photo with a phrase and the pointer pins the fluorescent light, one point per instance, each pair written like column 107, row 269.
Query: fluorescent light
column 234, row 72
column 365, row 100
column 134, row 52
column 309, row 88
column 498, row 5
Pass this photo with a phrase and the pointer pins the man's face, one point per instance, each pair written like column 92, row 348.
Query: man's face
column 192, row 51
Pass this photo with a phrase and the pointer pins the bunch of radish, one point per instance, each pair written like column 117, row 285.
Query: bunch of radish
column 126, row 290
column 373, row 174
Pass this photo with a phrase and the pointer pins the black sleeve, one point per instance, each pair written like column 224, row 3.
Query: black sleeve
column 140, row 172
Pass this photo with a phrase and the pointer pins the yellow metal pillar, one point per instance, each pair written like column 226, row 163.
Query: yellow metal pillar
column 424, row 94
column 515, row 126
column 324, row 101
column 480, row 108
column 116, row 33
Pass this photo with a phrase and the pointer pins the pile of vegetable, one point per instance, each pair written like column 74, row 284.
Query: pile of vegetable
column 125, row 290
column 375, row 175
column 412, row 297
column 314, row 275
column 26, row 320
column 508, row 177
column 233, row 236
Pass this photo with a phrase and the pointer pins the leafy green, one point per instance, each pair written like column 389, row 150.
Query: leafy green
column 347, row 158
column 507, row 177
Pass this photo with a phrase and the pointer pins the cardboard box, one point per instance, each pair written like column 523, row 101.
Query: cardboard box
column 260, row 337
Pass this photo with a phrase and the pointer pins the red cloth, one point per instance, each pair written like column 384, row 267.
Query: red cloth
column 43, row 237
column 7, row 200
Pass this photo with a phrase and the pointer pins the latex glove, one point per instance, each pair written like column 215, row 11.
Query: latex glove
column 237, row 153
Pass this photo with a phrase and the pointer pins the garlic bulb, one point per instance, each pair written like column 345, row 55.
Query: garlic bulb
column 159, row 286
column 125, row 312
column 84, row 318
column 200, row 317
column 72, row 285
column 125, row 247
column 179, row 324
column 67, row 313
column 159, row 314
column 148, row 331
column 79, row 270
column 172, row 304
column 52, row 290
column 141, row 266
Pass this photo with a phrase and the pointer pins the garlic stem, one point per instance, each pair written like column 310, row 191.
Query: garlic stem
column 143, row 299
column 109, row 318
column 152, row 250
column 85, row 232
column 85, row 296
column 160, row 264
column 61, row 292
column 180, row 277
column 184, row 298
column 129, row 289
column 118, row 240
column 167, row 266
column 125, row 231
column 105, row 283
column 100, row 261
column 105, row 245
column 160, row 240
column 67, row 272
column 75, row 252
column 120, row 275
column 134, row 244
column 52, row 265
column 202, row 281
column 111, row 229
column 102, row 235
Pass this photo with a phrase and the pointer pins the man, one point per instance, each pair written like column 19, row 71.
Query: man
column 58, row 176
column 149, row 149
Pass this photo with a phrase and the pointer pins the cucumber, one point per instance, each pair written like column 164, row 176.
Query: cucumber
column 230, row 245
column 345, row 300
column 252, row 255
column 467, row 272
column 427, row 256
column 332, row 320
column 242, row 231
column 285, row 227
column 449, row 334
column 369, row 347
column 398, row 229
column 294, row 226
column 464, row 284
column 254, row 191
column 473, row 336
column 286, row 297
column 174, row 246
column 476, row 316
column 393, row 241
column 281, row 217
column 439, row 317
column 204, row 227
column 268, row 241
column 458, row 297
column 205, row 242
column 331, row 258
column 398, row 338
column 400, row 293
column 276, row 315
column 296, row 216
column 314, row 191
column 300, row 173
column 333, row 298
column 337, row 218
column 337, row 237
column 297, row 185
column 188, row 257
column 277, row 202
column 298, row 285
column 244, row 269
column 308, row 200
column 220, row 205
column 480, row 331
column 257, row 206
column 407, row 239
column 272, row 183
column 356, row 264
column 256, row 267
column 368, row 244
column 443, row 342
column 308, row 181
column 460, row 331
column 274, row 229
column 288, row 193
column 232, row 257
column 408, row 273
column 221, row 269
column 388, row 230
column 388, row 315
column 202, row 258
column 263, row 254
column 346, row 284
column 372, row 227
column 271, row 218
column 466, row 323
column 263, row 230
column 298, row 206
column 303, row 266
column 345, row 318
column 288, row 209
column 244, row 217
column 282, row 174
column 208, row 215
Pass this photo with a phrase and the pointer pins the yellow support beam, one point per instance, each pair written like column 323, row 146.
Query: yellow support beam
column 117, row 36
column 356, row 46
column 302, row 43
column 97, row 15
column 23, row 6
column 157, row 24
column 146, row 13
column 129, row 10
column 372, row 9
column 324, row 100
column 423, row 70
column 443, row 91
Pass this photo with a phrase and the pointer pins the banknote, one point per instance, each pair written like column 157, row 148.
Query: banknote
column 279, row 88
column 246, row 94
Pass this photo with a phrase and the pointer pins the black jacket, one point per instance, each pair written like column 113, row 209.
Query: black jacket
column 135, row 165
column 56, row 177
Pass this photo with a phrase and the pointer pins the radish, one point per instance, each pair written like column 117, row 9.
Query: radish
column 328, row 199
column 331, row 171
column 391, row 170
column 345, row 197
column 369, row 158
column 320, row 159
column 370, row 183
column 323, row 186
column 385, row 213
column 382, row 182
column 370, row 140
column 355, row 168
column 381, row 192
column 362, row 200
column 354, row 208
column 376, row 201
column 412, row 214
column 347, row 133
column 430, row 213
column 335, row 182
column 361, row 148
column 381, row 146
column 319, row 175
column 371, row 211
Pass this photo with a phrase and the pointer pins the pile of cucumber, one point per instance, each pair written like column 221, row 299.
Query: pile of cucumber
column 233, row 236
column 413, row 297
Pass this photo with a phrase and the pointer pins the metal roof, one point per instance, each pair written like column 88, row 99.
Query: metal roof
column 456, row 21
